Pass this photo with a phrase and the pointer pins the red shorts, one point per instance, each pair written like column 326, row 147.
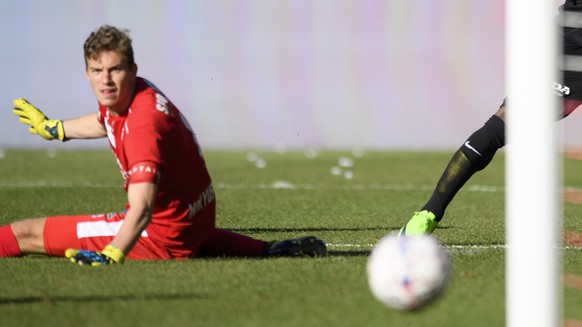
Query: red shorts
column 93, row 233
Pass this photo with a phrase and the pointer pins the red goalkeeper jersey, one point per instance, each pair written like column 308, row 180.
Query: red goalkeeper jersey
column 153, row 142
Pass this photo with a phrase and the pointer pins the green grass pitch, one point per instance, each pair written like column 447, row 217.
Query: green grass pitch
column 291, row 196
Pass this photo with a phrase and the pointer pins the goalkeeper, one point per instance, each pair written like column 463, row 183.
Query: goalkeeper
column 170, row 212
column 480, row 148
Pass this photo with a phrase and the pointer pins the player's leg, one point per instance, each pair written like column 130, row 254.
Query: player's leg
column 227, row 243
column 22, row 237
column 474, row 155
column 8, row 243
column 94, row 233
column 39, row 236
column 54, row 235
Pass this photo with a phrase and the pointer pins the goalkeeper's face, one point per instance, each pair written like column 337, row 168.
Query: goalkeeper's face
column 112, row 80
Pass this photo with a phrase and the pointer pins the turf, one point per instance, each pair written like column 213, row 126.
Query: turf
column 292, row 196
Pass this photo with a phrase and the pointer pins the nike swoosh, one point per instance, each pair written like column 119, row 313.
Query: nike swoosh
column 472, row 148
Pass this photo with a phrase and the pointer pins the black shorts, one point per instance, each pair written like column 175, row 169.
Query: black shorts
column 569, row 90
column 571, row 86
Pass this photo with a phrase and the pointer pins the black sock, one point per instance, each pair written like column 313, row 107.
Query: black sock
column 474, row 155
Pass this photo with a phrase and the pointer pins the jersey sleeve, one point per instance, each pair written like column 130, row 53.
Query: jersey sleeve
column 144, row 172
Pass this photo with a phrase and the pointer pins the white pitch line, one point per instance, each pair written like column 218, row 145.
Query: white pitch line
column 355, row 187
column 59, row 184
column 450, row 246
column 277, row 185
column 349, row 245
column 287, row 185
column 446, row 246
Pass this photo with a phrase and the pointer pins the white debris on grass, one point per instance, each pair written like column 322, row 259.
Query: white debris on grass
column 252, row 156
column 358, row 152
column 336, row 171
column 51, row 152
column 311, row 153
column 346, row 162
column 348, row 174
column 260, row 163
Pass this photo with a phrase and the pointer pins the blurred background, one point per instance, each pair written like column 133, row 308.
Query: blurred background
column 274, row 74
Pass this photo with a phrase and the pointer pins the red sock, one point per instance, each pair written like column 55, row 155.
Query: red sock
column 8, row 244
column 222, row 242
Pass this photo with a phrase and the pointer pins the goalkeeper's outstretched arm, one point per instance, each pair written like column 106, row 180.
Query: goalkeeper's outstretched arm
column 83, row 127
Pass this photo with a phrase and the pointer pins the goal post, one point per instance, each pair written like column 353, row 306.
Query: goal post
column 533, row 174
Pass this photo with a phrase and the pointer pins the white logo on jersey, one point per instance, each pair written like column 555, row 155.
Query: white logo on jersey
column 162, row 103
column 205, row 198
column 560, row 89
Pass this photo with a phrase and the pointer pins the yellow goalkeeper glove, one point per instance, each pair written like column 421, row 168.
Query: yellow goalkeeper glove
column 109, row 255
column 48, row 129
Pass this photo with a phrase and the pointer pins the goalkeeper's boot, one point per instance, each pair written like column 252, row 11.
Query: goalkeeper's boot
column 423, row 222
column 309, row 246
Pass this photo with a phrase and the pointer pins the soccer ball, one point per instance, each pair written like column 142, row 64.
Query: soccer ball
column 405, row 273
